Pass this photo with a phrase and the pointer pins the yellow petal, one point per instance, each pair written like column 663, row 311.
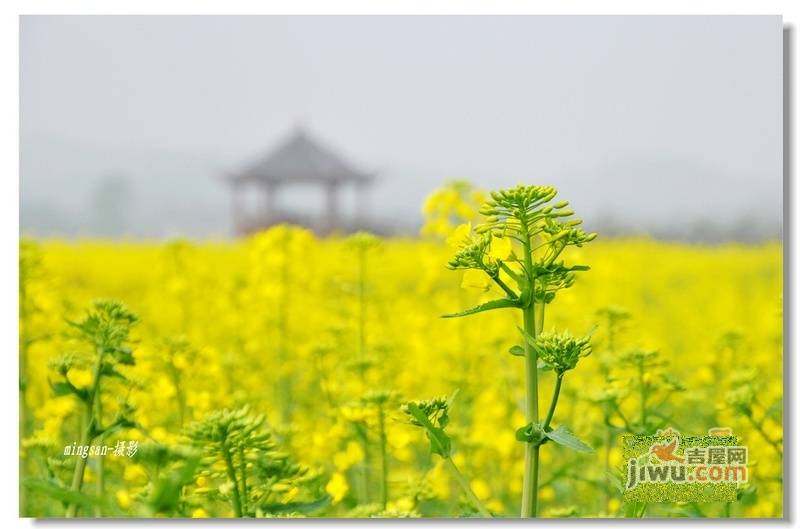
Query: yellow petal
column 337, row 487
column 475, row 279
column 123, row 499
column 500, row 248
column 462, row 231
column 80, row 378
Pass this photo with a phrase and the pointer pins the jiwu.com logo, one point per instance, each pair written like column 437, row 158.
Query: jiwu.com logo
column 669, row 467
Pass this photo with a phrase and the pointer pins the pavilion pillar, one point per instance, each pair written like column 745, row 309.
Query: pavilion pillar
column 268, row 214
column 362, row 204
column 331, row 207
column 237, row 209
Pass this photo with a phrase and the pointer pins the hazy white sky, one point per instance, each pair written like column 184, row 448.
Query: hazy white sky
column 643, row 118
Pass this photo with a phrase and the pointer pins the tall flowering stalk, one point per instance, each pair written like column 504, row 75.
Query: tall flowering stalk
column 519, row 247
column 241, row 454
column 433, row 417
column 105, row 330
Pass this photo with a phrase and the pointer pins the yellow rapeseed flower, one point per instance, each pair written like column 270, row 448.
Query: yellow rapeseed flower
column 337, row 487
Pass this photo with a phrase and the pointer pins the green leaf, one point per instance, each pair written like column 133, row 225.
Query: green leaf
column 120, row 423
column 109, row 371
column 61, row 389
column 634, row 509
column 530, row 433
column 775, row 411
column 124, row 355
column 517, row 350
column 81, row 499
column 166, row 494
column 440, row 441
column 615, row 481
column 566, row 438
column 503, row 303
column 453, row 397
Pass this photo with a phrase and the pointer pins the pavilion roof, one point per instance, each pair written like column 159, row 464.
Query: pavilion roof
column 301, row 158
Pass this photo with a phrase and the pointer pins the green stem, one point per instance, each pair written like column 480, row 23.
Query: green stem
column 24, row 418
column 760, row 429
column 237, row 501
column 459, row 477
column 86, row 434
column 361, row 432
column 510, row 293
column 508, row 270
column 100, row 485
column 444, row 451
column 531, row 476
column 622, row 416
column 176, row 383
column 243, row 475
column 384, row 461
column 607, row 462
column 530, row 316
column 553, row 401
column 606, row 412
column 80, row 464
column 98, row 510
column 538, row 326
column 643, row 396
